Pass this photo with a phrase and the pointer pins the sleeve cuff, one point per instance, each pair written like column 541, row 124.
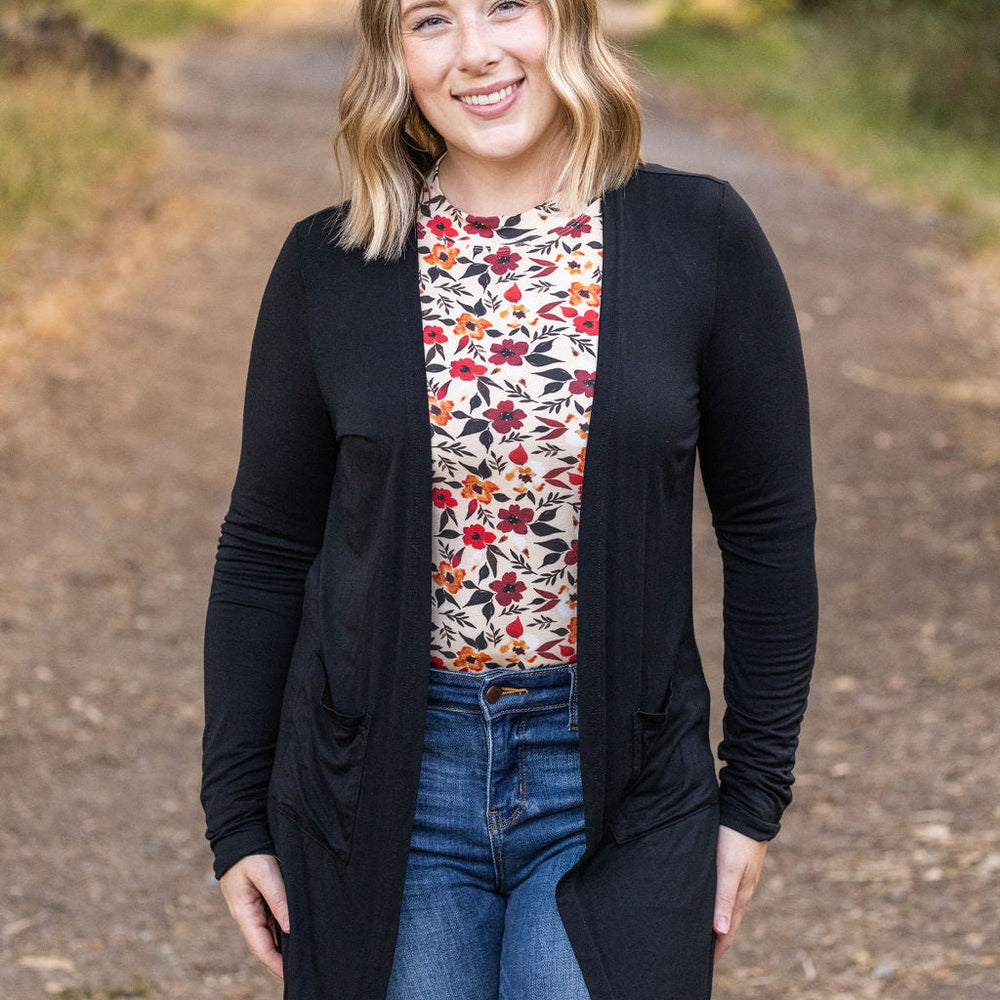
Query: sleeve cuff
column 743, row 822
column 228, row 850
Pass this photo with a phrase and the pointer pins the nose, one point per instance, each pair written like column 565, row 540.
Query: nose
column 477, row 49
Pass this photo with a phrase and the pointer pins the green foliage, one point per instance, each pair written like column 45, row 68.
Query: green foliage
column 909, row 102
column 68, row 147
column 945, row 55
column 136, row 19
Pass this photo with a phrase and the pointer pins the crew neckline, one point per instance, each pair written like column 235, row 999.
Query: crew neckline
column 544, row 216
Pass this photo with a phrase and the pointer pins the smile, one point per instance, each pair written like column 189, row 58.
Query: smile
column 495, row 98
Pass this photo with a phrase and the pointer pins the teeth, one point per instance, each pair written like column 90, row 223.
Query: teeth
column 495, row 98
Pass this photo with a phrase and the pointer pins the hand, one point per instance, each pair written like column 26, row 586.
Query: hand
column 255, row 894
column 738, row 860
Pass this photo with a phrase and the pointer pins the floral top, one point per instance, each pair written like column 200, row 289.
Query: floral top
column 510, row 310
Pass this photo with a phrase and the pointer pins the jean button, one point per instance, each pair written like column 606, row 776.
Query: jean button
column 493, row 693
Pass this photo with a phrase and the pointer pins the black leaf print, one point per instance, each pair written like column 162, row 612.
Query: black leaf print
column 508, row 435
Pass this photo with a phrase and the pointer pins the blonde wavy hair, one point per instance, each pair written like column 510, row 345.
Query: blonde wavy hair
column 391, row 145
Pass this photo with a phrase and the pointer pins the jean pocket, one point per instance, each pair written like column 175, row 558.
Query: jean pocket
column 319, row 762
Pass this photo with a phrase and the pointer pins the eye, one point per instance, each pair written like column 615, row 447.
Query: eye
column 509, row 6
column 426, row 21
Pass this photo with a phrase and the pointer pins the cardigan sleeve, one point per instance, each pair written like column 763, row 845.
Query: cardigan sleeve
column 270, row 537
column 754, row 452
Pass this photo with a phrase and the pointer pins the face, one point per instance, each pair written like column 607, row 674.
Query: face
column 477, row 70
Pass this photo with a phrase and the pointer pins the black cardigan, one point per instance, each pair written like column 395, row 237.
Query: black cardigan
column 321, row 577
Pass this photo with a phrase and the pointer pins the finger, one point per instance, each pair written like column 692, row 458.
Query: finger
column 743, row 895
column 261, row 944
column 726, row 889
column 272, row 887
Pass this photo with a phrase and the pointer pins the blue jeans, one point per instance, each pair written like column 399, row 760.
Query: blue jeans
column 499, row 818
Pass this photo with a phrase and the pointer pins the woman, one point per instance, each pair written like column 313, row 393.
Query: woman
column 498, row 781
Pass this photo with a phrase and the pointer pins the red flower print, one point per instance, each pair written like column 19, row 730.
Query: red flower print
column 467, row 369
column 441, row 225
column 572, row 555
column 514, row 518
column 508, row 589
column 434, row 335
column 513, row 294
column 477, row 536
column 481, row 225
column 583, row 384
column 503, row 260
column 515, row 629
column 442, row 497
column 509, row 352
column 575, row 227
column 584, row 295
column 505, row 417
column 587, row 323
column 518, row 456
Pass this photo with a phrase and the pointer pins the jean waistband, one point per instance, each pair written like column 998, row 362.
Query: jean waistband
column 500, row 690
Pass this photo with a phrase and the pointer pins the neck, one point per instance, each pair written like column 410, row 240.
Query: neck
column 481, row 187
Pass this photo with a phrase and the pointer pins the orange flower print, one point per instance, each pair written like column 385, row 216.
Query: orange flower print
column 443, row 256
column 467, row 369
column 470, row 660
column 448, row 576
column 572, row 630
column 469, row 324
column 518, row 650
column 522, row 476
column 478, row 489
column 440, row 409
column 584, row 295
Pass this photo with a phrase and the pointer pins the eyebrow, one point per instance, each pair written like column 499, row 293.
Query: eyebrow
column 420, row 5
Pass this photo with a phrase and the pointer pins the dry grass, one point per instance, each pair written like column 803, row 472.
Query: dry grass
column 70, row 151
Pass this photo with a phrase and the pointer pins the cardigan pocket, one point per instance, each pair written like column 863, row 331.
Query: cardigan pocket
column 319, row 762
column 664, row 786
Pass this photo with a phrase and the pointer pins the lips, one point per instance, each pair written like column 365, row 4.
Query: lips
column 485, row 98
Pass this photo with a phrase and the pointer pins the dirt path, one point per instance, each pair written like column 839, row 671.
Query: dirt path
column 116, row 459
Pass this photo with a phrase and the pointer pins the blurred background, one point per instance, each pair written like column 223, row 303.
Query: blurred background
column 153, row 156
